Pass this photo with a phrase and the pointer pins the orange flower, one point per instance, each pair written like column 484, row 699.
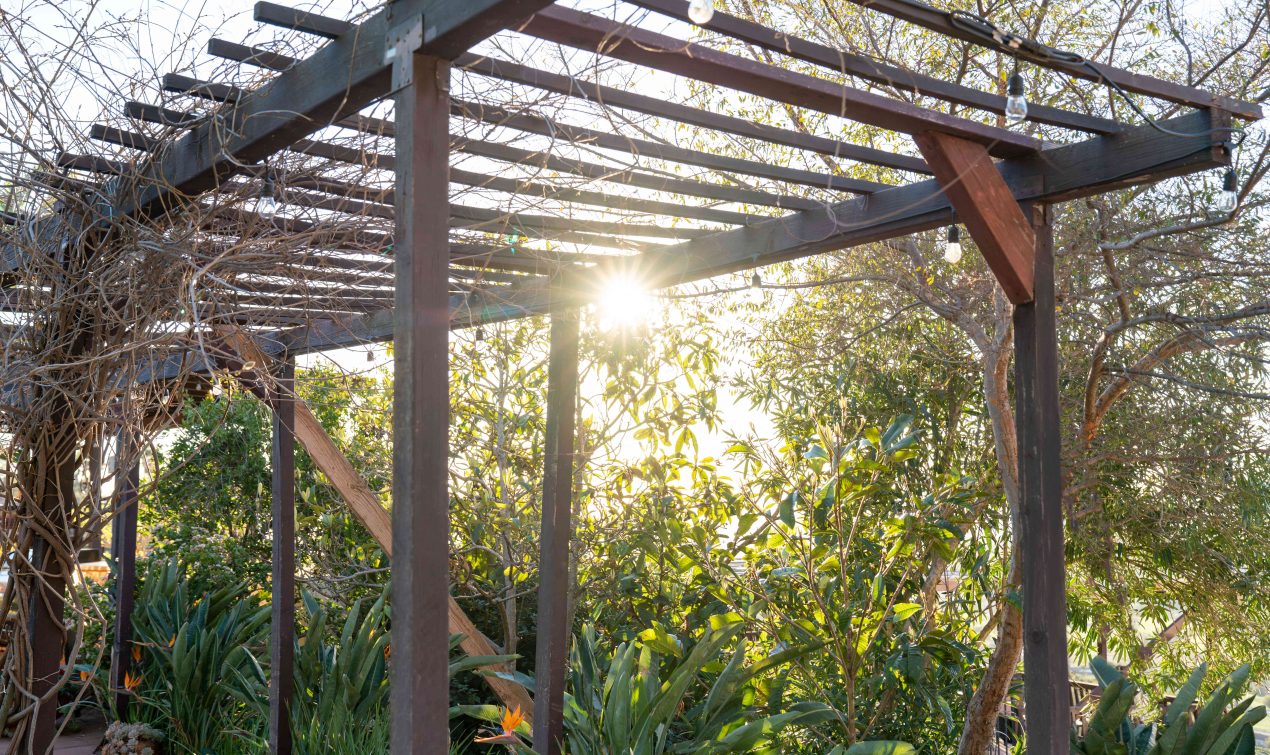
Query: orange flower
column 136, row 653
column 387, row 650
column 83, row 676
column 172, row 641
column 511, row 720
column 131, row 682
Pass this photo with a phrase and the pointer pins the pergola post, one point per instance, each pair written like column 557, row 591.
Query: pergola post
column 420, row 511
column 557, row 529
column 282, row 616
column 123, row 549
column 1046, row 687
column 55, row 460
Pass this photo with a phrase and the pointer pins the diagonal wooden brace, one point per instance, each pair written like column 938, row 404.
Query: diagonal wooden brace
column 986, row 205
column 365, row 505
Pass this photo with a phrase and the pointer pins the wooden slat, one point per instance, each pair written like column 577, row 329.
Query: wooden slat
column 987, row 206
column 612, row 97
column 661, row 52
column 538, row 124
column 301, row 20
column 877, row 71
column 340, row 79
column 113, row 135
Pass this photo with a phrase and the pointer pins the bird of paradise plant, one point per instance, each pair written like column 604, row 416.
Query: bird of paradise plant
column 513, row 721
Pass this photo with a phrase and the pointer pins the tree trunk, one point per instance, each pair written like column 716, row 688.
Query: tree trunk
column 979, row 732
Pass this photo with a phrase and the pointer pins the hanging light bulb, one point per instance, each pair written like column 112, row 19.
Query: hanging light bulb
column 216, row 390
column 370, row 355
column 952, row 250
column 267, row 202
column 1229, row 196
column 756, row 282
column 1015, row 102
column 701, row 11
column 480, row 334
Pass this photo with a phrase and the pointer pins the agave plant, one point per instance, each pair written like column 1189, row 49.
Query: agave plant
column 341, row 703
column 341, row 688
column 1221, row 727
column 621, row 703
column 198, row 680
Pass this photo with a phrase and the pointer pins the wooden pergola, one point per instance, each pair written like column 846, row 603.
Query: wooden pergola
column 448, row 265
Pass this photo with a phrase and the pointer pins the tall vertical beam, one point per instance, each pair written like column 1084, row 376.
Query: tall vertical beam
column 123, row 549
column 282, row 625
column 1045, row 690
column 420, row 511
column 55, row 461
column 557, row 529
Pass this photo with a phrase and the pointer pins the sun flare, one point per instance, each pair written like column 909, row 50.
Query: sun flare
column 625, row 303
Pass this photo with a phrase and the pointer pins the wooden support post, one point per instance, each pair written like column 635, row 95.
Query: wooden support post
column 123, row 549
column 47, row 599
column 282, row 627
column 420, row 511
column 557, row 530
column 986, row 205
column 1046, row 685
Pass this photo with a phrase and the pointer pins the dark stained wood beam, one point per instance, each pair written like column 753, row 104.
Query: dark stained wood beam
column 538, row 124
column 123, row 550
column 521, row 74
column 941, row 21
column 1046, row 689
column 660, row 108
column 1138, row 155
column 301, row 20
column 876, row 71
column 282, row 586
column 340, row 79
column 661, row 52
column 987, row 206
column 421, row 409
column 556, row 531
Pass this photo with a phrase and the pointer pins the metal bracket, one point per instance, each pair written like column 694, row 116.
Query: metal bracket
column 403, row 41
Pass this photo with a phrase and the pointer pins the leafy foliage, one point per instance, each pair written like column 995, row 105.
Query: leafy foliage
column 1221, row 727
column 198, row 679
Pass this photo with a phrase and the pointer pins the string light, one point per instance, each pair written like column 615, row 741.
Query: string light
column 701, row 11
column 1229, row 196
column 1015, row 102
column 267, row 202
column 952, row 250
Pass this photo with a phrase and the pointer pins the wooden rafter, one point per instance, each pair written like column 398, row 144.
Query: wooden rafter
column 986, row 205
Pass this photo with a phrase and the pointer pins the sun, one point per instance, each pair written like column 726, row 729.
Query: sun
column 625, row 302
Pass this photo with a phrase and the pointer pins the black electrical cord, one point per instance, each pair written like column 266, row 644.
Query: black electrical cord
column 994, row 36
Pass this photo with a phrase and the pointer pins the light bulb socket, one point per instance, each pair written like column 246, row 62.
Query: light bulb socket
column 1014, row 87
column 1230, row 181
column 756, row 281
column 954, row 234
column 480, row 334
column 269, row 189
